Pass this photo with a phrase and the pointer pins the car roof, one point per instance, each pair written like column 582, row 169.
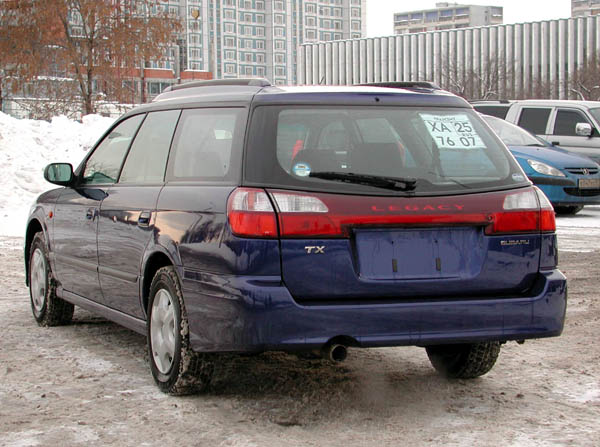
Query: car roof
column 244, row 91
column 559, row 102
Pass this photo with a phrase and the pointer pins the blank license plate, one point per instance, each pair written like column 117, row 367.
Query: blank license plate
column 589, row 183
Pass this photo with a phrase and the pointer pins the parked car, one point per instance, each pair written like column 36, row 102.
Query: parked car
column 572, row 125
column 236, row 216
column 570, row 181
column 498, row 108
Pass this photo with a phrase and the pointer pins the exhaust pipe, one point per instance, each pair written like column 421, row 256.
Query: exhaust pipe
column 335, row 352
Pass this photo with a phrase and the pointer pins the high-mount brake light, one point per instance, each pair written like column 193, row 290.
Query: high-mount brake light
column 251, row 214
column 524, row 212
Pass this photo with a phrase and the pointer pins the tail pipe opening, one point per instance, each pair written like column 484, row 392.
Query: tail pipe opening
column 335, row 352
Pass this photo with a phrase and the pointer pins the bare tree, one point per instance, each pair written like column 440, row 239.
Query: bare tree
column 486, row 82
column 584, row 83
column 98, row 43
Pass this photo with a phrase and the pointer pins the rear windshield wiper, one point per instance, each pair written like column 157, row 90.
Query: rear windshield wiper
column 393, row 183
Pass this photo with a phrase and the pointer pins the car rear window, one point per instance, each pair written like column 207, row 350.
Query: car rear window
column 444, row 150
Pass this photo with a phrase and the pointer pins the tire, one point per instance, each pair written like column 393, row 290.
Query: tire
column 176, row 368
column 465, row 361
column 568, row 210
column 47, row 308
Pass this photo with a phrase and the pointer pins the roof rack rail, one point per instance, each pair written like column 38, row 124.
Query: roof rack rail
column 394, row 84
column 250, row 82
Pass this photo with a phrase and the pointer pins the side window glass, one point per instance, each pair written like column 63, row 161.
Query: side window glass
column 566, row 121
column 104, row 164
column 534, row 120
column 204, row 144
column 147, row 159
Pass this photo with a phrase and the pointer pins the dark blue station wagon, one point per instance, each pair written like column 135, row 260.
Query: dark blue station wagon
column 235, row 216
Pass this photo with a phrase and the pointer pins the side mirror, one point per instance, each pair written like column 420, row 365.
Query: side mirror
column 584, row 129
column 59, row 173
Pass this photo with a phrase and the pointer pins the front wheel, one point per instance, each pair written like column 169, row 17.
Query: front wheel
column 47, row 308
column 464, row 361
column 176, row 369
column 568, row 210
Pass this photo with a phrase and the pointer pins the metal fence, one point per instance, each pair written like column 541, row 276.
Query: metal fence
column 518, row 59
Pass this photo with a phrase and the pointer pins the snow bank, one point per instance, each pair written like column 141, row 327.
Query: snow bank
column 26, row 147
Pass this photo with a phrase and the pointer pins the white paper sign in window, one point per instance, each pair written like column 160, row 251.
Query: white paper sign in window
column 452, row 131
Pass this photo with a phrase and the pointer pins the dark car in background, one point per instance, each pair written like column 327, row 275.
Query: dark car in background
column 570, row 181
column 236, row 216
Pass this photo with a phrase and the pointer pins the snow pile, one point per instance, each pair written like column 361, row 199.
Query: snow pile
column 26, row 147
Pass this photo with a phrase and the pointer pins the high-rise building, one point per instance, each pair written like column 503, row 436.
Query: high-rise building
column 585, row 7
column 447, row 16
column 242, row 38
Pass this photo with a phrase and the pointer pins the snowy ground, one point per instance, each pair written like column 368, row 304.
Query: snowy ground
column 89, row 383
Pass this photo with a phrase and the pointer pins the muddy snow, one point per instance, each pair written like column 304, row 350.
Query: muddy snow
column 89, row 383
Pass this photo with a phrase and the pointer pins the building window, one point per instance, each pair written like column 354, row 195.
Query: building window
column 229, row 68
column 278, row 19
column 229, row 42
column 260, row 31
column 230, row 55
column 260, row 44
column 260, row 5
column 229, row 14
column 279, row 32
column 279, row 71
column 355, row 12
column 249, row 71
column 279, row 44
column 260, row 58
column 278, row 6
column 260, row 71
column 229, row 27
column 310, row 8
column 310, row 21
column 310, row 34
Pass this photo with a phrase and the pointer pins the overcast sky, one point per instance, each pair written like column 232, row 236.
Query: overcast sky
column 380, row 13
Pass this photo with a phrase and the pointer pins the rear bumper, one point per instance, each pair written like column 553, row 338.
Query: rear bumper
column 255, row 314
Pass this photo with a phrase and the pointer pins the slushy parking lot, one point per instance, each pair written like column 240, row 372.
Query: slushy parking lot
column 88, row 383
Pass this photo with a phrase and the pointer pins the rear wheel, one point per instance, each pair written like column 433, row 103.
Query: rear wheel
column 568, row 210
column 464, row 361
column 175, row 367
column 47, row 308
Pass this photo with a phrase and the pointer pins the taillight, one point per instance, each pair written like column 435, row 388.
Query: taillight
column 251, row 214
column 303, row 215
column 523, row 212
column 547, row 219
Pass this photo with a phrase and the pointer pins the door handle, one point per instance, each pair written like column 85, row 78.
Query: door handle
column 144, row 219
column 90, row 213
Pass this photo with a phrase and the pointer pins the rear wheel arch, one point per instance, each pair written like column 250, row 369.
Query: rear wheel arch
column 154, row 262
column 33, row 228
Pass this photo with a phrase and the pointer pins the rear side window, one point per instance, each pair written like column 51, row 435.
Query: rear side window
column 535, row 120
column 104, row 164
column 566, row 122
column 147, row 159
column 207, row 145
column 443, row 149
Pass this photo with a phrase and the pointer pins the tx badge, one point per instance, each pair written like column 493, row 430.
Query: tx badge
column 315, row 250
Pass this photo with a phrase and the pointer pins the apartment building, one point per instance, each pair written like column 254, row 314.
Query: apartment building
column 585, row 8
column 242, row 38
column 447, row 16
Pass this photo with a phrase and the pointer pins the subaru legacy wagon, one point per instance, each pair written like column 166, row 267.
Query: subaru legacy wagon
column 235, row 216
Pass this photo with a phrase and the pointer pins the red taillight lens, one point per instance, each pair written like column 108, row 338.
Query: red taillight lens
column 524, row 212
column 251, row 214
column 547, row 218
